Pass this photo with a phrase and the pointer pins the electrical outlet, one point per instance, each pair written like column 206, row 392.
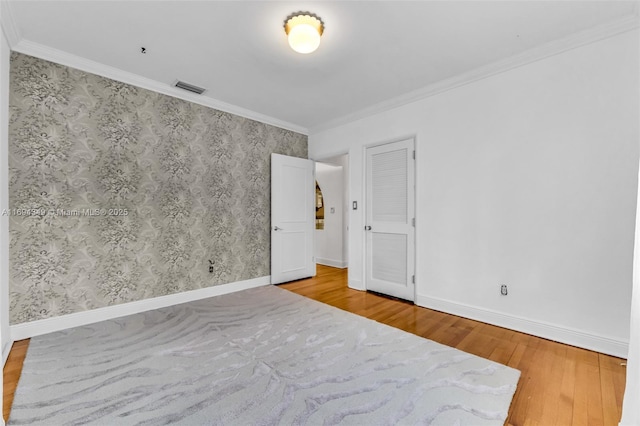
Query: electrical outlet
column 210, row 266
column 503, row 289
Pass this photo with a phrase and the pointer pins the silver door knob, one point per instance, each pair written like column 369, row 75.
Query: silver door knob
column 276, row 228
column 367, row 228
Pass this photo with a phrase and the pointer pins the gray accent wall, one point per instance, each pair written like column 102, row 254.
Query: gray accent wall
column 119, row 194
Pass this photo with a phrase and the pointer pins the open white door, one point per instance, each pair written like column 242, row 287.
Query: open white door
column 390, row 207
column 292, row 218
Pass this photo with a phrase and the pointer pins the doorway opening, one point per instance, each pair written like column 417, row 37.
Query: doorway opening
column 332, row 240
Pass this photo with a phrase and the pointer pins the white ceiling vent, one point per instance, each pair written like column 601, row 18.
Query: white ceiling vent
column 190, row 87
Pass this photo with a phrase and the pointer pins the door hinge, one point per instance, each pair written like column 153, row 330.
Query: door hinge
column 414, row 154
column 413, row 222
column 413, row 279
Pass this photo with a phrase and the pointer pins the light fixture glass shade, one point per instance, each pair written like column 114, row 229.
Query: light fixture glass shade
column 304, row 32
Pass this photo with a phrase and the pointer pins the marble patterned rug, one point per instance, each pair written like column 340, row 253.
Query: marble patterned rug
column 262, row 356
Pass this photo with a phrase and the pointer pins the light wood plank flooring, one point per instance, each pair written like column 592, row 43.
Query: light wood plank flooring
column 11, row 374
column 560, row 384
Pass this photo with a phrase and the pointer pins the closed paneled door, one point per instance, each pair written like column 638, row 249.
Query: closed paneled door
column 389, row 229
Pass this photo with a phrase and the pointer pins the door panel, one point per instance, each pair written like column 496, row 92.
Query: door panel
column 389, row 253
column 294, row 182
column 296, row 258
column 390, row 206
column 292, row 218
column 389, row 186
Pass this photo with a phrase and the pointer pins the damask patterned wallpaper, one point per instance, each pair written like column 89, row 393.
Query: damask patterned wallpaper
column 119, row 194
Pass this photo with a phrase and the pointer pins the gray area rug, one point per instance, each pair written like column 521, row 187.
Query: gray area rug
column 262, row 356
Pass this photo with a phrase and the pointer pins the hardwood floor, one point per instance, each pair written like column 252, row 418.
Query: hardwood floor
column 559, row 385
column 11, row 374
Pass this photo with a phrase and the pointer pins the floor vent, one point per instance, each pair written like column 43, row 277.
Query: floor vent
column 190, row 87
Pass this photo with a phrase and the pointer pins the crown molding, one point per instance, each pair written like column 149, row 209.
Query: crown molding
column 7, row 22
column 538, row 53
column 64, row 58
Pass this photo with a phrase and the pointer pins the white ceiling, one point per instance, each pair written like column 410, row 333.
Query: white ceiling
column 371, row 51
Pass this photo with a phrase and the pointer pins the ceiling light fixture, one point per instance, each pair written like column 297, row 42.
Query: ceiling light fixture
column 303, row 30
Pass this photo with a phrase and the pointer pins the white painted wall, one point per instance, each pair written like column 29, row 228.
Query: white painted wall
column 630, row 405
column 343, row 160
column 329, row 246
column 5, row 54
column 525, row 178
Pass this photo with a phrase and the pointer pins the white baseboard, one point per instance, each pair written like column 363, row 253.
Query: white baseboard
column 356, row 285
column 553, row 332
column 49, row 325
column 331, row 262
